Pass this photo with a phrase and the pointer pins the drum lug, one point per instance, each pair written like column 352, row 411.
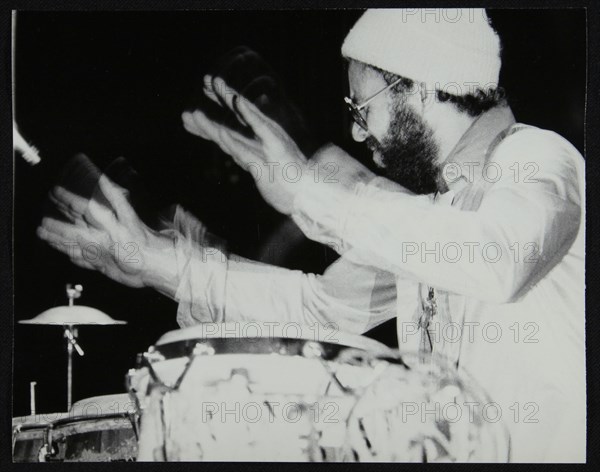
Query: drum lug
column 16, row 431
column 133, row 417
column 47, row 452
column 153, row 356
column 203, row 349
column 312, row 350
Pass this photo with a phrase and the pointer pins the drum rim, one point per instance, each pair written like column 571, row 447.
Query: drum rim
column 207, row 331
column 80, row 418
column 22, row 421
column 287, row 347
column 30, row 426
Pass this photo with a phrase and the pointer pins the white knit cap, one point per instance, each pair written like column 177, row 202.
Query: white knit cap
column 454, row 50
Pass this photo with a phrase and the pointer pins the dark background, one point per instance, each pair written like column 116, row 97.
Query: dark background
column 115, row 84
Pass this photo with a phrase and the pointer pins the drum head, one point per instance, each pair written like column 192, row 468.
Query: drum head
column 103, row 405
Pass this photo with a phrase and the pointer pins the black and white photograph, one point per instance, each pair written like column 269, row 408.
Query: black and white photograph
column 310, row 235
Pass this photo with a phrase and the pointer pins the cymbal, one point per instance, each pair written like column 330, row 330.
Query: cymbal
column 73, row 315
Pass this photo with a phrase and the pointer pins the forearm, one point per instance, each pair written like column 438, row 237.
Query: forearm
column 350, row 297
column 324, row 198
column 228, row 288
column 261, row 292
column 160, row 270
column 214, row 286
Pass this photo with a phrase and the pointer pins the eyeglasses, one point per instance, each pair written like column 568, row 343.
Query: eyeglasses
column 355, row 108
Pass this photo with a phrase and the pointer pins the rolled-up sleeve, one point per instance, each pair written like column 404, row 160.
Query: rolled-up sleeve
column 215, row 286
column 352, row 297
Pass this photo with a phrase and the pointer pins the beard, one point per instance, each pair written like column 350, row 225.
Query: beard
column 409, row 153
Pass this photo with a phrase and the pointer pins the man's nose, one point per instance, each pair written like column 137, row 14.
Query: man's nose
column 359, row 134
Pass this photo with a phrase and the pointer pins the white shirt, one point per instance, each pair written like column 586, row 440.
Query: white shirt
column 515, row 295
column 503, row 251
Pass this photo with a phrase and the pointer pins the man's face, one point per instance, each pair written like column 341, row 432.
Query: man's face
column 401, row 141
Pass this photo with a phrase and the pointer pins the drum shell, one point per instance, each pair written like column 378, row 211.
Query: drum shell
column 101, row 428
column 30, row 436
column 104, row 438
column 193, row 370
column 28, row 442
column 248, row 394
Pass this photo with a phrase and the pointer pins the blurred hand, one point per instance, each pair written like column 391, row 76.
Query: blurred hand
column 248, row 73
column 271, row 155
column 266, row 155
column 112, row 240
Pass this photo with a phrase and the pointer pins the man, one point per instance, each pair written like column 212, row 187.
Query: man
column 494, row 254
column 488, row 266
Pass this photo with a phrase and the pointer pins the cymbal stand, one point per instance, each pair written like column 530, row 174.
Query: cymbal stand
column 70, row 334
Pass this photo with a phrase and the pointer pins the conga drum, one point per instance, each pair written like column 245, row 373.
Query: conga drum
column 419, row 408
column 248, row 391
column 229, row 392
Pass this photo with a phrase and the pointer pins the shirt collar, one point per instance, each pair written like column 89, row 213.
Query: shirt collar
column 475, row 145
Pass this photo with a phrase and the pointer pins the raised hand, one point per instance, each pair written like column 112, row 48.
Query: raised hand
column 112, row 240
column 268, row 155
column 248, row 73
